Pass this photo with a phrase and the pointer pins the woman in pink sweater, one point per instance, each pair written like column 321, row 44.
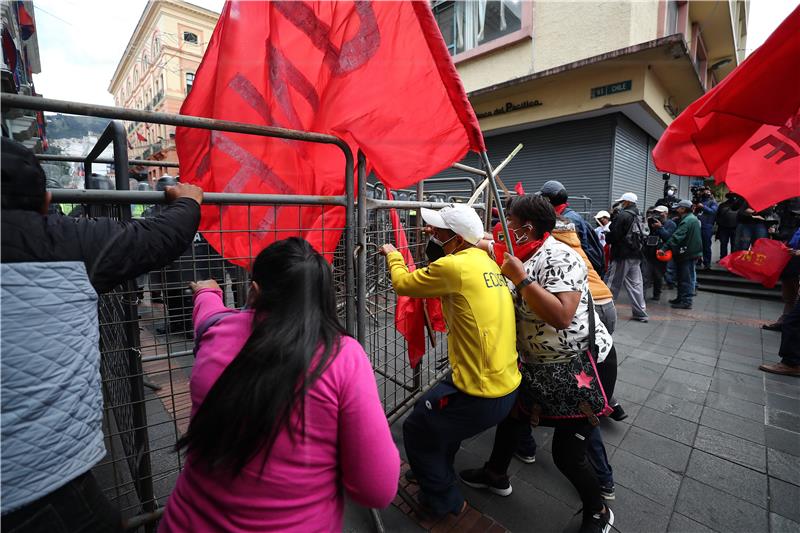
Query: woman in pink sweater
column 285, row 410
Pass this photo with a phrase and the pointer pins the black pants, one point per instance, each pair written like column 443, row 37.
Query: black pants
column 77, row 507
column 790, row 338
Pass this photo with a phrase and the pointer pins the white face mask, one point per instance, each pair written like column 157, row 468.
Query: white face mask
column 524, row 238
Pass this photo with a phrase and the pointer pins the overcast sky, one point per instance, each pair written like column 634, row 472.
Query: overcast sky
column 81, row 41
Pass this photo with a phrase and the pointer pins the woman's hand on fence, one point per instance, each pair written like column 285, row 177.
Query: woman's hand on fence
column 386, row 249
column 203, row 284
column 513, row 268
column 184, row 190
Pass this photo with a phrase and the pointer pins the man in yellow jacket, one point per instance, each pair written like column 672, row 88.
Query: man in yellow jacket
column 481, row 342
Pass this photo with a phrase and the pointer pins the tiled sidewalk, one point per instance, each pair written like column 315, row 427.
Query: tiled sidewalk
column 711, row 443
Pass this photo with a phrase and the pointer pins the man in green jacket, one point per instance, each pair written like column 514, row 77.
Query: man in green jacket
column 686, row 246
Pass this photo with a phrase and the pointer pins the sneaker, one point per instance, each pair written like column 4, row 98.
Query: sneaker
column 607, row 492
column 643, row 319
column 775, row 326
column 480, row 478
column 618, row 414
column 525, row 458
column 598, row 522
column 681, row 305
column 674, row 300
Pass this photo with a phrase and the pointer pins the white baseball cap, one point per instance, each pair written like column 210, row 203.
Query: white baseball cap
column 628, row 197
column 601, row 214
column 460, row 218
column 661, row 209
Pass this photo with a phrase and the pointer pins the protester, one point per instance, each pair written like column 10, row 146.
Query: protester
column 53, row 268
column 552, row 313
column 790, row 283
column 686, row 247
column 555, row 192
column 284, row 406
column 727, row 213
column 707, row 214
column 751, row 225
column 789, row 350
column 603, row 219
column 481, row 347
column 661, row 229
column 626, row 237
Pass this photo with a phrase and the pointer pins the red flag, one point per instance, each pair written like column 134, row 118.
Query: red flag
column 746, row 130
column 376, row 74
column 763, row 263
column 26, row 25
column 519, row 189
column 141, row 137
column 409, row 314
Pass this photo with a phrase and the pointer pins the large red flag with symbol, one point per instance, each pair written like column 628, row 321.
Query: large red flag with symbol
column 746, row 130
column 376, row 74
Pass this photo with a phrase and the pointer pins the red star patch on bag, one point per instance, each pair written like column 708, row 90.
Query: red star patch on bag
column 584, row 380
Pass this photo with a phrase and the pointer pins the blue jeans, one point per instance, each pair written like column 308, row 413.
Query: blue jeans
column 598, row 458
column 669, row 276
column 707, row 234
column 433, row 432
column 725, row 236
column 747, row 234
column 790, row 338
column 686, row 280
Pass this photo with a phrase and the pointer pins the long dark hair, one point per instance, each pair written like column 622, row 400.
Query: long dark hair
column 295, row 335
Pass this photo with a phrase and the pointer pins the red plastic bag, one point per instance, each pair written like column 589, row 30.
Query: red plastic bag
column 763, row 263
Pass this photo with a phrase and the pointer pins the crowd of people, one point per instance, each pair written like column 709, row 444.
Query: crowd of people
column 285, row 406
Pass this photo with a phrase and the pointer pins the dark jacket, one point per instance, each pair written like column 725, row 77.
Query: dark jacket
column 709, row 212
column 620, row 225
column 727, row 213
column 590, row 242
column 685, row 242
column 112, row 251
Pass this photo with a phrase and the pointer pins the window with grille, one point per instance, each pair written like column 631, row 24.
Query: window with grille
column 190, row 37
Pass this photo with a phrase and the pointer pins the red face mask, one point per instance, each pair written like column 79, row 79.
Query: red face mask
column 523, row 251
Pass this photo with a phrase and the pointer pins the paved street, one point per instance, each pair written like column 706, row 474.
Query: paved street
column 711, row 443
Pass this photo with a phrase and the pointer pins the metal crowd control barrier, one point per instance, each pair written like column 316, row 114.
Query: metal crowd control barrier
column 146, row 344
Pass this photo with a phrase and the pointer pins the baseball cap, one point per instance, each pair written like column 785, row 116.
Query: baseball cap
column 460, row 218
column 551, row 188
column 685, row 203
column 601, row 214
column 23, row 179
column 661, row 209
column 628, row 197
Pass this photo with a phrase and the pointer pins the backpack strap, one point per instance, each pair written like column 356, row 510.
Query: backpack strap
column 206, row 325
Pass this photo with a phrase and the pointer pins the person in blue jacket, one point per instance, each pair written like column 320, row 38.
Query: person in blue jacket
column 706, row 210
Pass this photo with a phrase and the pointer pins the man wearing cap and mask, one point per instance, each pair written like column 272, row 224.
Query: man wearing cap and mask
column 626, row 237
column 687, row 246
column 481, row 343
column 53, row 268
column 661, row 229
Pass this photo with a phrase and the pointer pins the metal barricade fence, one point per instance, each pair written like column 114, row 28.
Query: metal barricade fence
column 145, row 324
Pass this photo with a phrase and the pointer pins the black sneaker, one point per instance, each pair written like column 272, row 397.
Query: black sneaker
column 527, row 458
column 598, row 522
column 607, row 492
column 681, row 305
column 618, row 414
column 675, row 300
column 480, row 478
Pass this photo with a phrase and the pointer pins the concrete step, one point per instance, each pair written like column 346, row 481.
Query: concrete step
column 721, row 281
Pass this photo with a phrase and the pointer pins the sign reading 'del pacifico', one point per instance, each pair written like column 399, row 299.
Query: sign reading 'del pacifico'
column 509, row 107
column 614, row 88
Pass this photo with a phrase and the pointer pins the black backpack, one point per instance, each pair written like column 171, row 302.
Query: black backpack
column 637, row 234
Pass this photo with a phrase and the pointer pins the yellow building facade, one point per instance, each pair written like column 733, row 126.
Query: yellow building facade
column 588, row 87
column 156, row 73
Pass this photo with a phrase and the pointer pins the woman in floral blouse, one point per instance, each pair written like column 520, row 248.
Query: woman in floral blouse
column 549, row 283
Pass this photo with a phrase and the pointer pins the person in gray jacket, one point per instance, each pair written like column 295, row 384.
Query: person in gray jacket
column 53, row 268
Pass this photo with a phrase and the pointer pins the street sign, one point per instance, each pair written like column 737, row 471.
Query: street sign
column 613, row 88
